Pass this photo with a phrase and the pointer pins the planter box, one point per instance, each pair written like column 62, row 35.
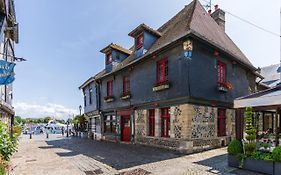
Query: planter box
column 261, row 166
column 233, row 161
column 108, row 99
column 125, row 96
column 222, row 89
column 277, row 168
column 161, row 87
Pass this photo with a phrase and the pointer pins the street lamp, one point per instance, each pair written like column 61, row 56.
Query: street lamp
column 80, row 108
column 67, row 127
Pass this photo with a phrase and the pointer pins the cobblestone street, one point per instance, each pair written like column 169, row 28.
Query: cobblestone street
column 75, row 156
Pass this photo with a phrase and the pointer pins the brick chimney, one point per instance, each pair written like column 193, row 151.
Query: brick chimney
column 219, row 16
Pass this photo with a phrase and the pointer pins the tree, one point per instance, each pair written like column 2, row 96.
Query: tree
column 47, row 119
column 79, row 122
column 250, row 130
column 18, row 120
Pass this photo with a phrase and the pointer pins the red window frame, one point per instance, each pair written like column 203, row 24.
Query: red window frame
column 221, row 122
column 165, row 122
column 139, row 41
column 221, row 73
column 126, row 84
column 109, row 87
column 151, row 122
column 108, row 58
column 162, row 70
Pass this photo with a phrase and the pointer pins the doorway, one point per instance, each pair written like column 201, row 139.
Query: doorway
column 125, row 128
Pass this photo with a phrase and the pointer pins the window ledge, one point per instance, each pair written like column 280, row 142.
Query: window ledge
column 161, row 86
column 125, row 96
column 108, row 99
column 224, row 87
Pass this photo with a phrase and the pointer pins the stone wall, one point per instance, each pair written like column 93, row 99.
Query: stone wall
column 192, row 128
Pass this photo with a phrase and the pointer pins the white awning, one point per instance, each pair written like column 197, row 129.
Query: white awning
column 270, row 97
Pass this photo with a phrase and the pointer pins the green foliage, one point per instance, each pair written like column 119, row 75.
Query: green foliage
column 17, row 131
column 37, row 120
column 235, row 147
column 250, row 148
column 2, row 170
column 250, row 145
column 3, row 166
column 265, row 145
column 7, row 144
column 276, row 154
column 257, row 155
column 79, row 119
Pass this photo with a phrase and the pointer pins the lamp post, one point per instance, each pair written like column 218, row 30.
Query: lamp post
column 67, row 128
column 80, row 109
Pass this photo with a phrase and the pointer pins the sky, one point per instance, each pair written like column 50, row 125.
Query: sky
column 61, row 41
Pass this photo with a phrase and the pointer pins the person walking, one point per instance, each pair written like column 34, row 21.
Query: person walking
column 62, row 131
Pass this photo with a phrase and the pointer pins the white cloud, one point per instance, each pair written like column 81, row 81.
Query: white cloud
column 36, row 111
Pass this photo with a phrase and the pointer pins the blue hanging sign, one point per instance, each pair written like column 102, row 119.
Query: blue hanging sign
column 7, row 74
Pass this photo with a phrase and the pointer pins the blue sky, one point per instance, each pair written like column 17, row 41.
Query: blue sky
column 61, row 41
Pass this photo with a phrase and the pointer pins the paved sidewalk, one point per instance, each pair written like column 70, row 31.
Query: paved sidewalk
column 75, row 156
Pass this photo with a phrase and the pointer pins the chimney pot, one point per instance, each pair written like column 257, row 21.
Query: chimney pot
column 219, row 16
column 216, row 7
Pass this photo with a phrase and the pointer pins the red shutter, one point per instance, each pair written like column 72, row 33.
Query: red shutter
column 162, row 71
column 151, row 122
column 110, row 88
column 126, row 84
column 109, row 58
column 221, row 122
column 221, row 72
column 139, row 41
column 165, row 122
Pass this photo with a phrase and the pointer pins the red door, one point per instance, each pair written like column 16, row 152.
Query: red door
column 126, row 129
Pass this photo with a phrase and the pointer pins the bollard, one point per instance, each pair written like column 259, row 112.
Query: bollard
column 30, row 136
column 47, row 135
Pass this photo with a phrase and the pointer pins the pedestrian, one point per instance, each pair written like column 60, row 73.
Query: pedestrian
column 62, row 131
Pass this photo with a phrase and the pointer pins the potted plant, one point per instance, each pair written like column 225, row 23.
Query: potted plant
column 235, row 152
column 276, row 155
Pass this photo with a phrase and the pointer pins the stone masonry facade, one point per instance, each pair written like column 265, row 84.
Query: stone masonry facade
column 193, row 128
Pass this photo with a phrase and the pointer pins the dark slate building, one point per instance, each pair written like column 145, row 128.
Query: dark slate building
column 271, row 75
column 175, row 87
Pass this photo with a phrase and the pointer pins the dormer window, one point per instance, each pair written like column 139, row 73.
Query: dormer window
column 139, row 41
column 109, row 58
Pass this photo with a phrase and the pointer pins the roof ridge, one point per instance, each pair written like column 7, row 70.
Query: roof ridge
column 161, row 28
column 270, row 65
column 192, row 13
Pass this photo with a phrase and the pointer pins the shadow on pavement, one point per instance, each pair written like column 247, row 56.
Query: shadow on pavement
column 116, row 155
column 214, row 163
column 215, row 166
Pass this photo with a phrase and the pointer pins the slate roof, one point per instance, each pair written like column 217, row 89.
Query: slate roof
column 191, row 20
column 146, row 27
column 116, row 47
column 90, row 80
column 271, row 75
